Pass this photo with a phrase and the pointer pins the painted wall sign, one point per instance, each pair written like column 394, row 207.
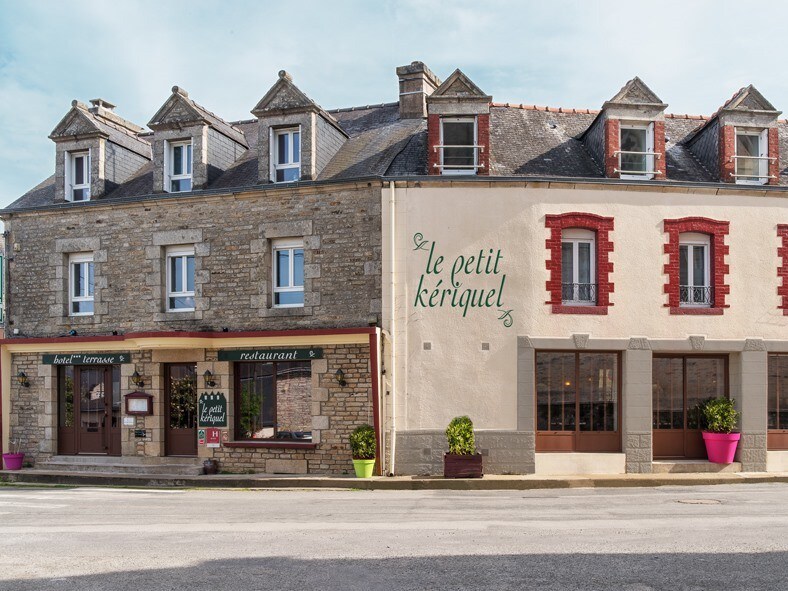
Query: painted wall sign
column 271, row 355
column 446, row 286
column 86, row 358
column 212, row 410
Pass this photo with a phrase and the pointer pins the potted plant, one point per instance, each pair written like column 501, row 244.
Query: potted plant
column 363, row 447
column 719, row 418
column 462, row 459
column 13, row 459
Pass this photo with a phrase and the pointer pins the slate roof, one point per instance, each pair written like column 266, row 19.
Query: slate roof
column 526, row 141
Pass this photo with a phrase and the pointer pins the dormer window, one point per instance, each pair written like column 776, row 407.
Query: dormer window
column 179, row 176
column 458, row 147
column 78, row 176
column 287, row 155
column 752, row 157
column 636, row 155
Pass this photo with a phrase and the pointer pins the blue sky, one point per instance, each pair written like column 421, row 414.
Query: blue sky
column 693, row 54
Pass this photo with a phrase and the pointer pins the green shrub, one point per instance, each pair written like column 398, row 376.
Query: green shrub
column 460, row 436
column 362, row 443
column 718, row 415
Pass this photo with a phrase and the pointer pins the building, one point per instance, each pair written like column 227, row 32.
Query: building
column 574, row 280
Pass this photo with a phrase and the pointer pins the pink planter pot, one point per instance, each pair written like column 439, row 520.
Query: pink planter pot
column 721, row 447
column 13, row 461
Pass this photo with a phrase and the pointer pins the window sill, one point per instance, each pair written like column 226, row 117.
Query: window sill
column 272, row 444
column 682, row 311
column 592, row 310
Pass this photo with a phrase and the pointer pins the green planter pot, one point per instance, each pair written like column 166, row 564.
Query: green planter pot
column 364, row 468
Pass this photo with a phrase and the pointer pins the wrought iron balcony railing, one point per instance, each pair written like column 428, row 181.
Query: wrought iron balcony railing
column 696, row 295
column 578, row 293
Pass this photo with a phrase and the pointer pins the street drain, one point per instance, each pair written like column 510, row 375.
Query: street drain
column 700, row 502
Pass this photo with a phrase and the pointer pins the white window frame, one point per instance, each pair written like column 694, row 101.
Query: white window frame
column 71, row 170
column 650, row 155
column 763, row 154
column 188, row 164
column 174, row 252
column 475, row 146
column 693, row 240
column 75, row 259
column 289, row 244
column 575, row 237
column 274, row 140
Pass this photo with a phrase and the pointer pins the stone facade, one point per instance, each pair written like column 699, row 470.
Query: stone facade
column 342, row 247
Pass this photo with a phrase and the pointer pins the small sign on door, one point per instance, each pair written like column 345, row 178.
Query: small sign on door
column 201, row 437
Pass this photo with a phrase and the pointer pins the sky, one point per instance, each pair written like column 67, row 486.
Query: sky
column 693, row 54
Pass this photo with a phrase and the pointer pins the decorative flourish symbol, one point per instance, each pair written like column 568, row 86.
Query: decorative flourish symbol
column 506, row 316
column 418, row 240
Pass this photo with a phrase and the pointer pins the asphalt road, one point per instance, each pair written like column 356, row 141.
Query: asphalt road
column 677, row 538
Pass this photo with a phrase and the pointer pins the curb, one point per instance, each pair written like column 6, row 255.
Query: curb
column 383, row 483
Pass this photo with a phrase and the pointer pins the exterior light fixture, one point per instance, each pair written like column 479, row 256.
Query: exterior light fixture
column 136, row 379
column 209, row 381
column 340, row 377
column 21, row 377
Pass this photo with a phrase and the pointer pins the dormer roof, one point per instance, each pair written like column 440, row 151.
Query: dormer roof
column 83, row 122
column 749, row 99
column 635, row 92
column 284, row 97
column 181, row 111
column 459, row 87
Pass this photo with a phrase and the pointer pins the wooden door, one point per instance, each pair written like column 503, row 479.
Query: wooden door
column 180, row 409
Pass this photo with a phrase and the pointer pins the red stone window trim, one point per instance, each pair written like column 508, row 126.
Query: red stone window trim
column 482, row 139
column 782, row 270
column 601, row 226
column 727, row 153
column 716, row 230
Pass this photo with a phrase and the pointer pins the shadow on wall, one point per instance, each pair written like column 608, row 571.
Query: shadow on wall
column 619, row 572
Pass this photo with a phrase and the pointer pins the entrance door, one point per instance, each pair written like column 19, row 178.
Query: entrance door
column 680, row 384
column 181, row 409
column 89, row 410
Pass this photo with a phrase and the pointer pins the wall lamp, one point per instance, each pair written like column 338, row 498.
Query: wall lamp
column 209, row 381
column 340, row 377
column 21, row 377
column 136, row 379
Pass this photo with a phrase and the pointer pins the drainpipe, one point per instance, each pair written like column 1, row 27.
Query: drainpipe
column 393, row 324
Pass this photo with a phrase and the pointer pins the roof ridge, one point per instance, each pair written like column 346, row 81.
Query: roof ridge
column 361, row 108
column 575, row 111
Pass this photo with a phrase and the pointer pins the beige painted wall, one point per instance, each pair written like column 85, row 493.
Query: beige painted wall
column 456, row 376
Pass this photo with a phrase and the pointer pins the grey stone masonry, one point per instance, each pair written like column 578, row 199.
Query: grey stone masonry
column 340, row 229
column 749, row 389
column 637, row 403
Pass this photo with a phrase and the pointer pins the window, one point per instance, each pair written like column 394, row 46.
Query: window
column 752, row 158
column 636, row 155
column 179, row 174
column 287, row 155
column 578, row 275
column 78, row 176
column 458, row 145
column 778, row 402
column 577, row 401
column 288, row 267
column 273, row 401
column 694, row 270
column 180, row 279
column 81, row 284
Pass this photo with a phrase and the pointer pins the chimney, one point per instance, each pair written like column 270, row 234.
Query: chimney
column 416, row 83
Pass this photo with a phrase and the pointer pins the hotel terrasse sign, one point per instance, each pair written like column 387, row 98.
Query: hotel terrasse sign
column 271, row 355
column 86, row 358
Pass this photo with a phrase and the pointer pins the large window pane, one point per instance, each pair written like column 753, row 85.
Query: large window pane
column 296, row 147
column 747, row 145
column 189, row 273
column 778, row 392
column 282, row 268
column 566, row 262
column 633, row 140
column 298, row 267
column 176, row 276
column 79, row 170
column 705, row 379
column 458, row 133
column 698, row 265
column 283, row 148
column 555, row 391
column 598, row 390
column 684, row 265
column 668, row 393
column 583, row 262
column 177, row 160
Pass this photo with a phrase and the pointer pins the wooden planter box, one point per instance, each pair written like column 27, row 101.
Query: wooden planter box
column 456, row 466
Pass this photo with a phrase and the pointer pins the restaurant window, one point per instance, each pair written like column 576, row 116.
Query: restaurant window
column 777, row 408
column 273, row 401
column 577, row 401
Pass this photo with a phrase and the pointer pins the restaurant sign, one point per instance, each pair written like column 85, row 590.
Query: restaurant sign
column 212, row 410
column 86, row 358
column 271, row 355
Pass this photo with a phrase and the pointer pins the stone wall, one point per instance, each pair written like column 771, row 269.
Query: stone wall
column 232, row 237
column 120, row 165
column 222, row 153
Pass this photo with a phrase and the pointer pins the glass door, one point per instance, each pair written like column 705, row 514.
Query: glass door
column 89, row 410
column 181, row 409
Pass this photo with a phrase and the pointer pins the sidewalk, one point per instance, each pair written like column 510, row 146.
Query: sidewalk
column 490, row 482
